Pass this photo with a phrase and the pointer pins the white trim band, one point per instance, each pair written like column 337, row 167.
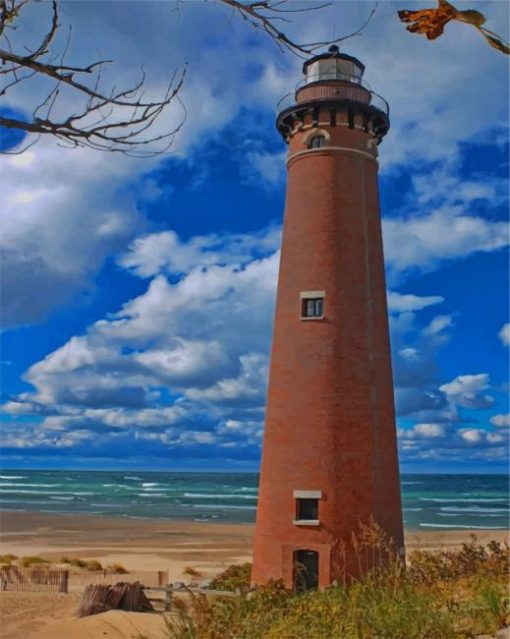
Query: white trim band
column 307, row 494
column 327, row 149
column 312, row 295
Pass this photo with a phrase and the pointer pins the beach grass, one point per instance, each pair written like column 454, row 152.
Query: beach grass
column 454, row 594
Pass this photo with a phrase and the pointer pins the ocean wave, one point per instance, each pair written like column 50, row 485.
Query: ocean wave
column 13, row 477
column 412, row 510
column 17, row 484
column 132, row 477
column 150, row 483
column 473, row 509
column 41, row 492
column 151, row 495
column 223, row 507
column 412, row 483
column 106, row 505
column 155, row 489
column 481, row 500
column 461, row 526
column 467, row 515
column 218, row 496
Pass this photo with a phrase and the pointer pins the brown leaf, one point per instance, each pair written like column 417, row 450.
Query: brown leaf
column 471, row 17
column 431, row 22
column 497, row 43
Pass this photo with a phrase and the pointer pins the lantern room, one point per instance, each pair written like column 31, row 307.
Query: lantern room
column 333, row 65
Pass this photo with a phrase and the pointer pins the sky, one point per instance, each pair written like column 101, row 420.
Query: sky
column 138, row 294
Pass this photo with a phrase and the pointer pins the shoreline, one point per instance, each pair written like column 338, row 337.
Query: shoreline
column 156, row 544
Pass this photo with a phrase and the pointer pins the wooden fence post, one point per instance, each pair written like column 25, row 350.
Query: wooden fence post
column 168, row 598
column 64, row 581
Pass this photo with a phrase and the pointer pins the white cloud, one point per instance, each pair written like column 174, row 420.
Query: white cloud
column 427, row 431
column 500, row 421
column 165, row 253
column 504, row 335
column 472, row 435
column 399, row 303
column 422, row 242
column 468, row 391
column 55, row 240
column 438, row 325
column 268, row 166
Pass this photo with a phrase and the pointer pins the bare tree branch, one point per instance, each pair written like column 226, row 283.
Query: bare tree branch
column 118, row 120
column 262, row 14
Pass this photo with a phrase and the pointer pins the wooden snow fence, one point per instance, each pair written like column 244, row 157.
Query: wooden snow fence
column 15, row 579
column 79, row 580
column 122, row 596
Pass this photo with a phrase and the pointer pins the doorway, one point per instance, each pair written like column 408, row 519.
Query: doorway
column 306, row 570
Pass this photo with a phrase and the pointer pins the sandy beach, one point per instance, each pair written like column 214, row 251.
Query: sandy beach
column 138, row 544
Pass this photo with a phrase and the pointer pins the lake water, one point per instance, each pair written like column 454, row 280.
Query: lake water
column 431, row 502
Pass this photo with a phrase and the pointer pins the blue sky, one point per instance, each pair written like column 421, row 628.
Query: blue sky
column 138, row 294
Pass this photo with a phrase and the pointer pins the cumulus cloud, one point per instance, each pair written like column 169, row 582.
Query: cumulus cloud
column 421, row 242
column 165, row 252
column 504, row 335
column 59, row 223
column 188, row 352
column 500, row 421
column 399, row 303
column 468, row 391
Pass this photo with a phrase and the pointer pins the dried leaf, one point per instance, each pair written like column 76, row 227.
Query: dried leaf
column 431, row 22
column 471, row 17
column 497, row 43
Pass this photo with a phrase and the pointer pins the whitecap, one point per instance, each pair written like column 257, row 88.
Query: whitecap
column 462, row 499
column 218, row 496
column 224, row 507
column 412, row 510
column 40, row 492
column 461, row 526
column 17, row 484
column 132, row 477
column 464, row 515
column 150, row 483
column 151, row 495
column 473, row 509
column 13, row 477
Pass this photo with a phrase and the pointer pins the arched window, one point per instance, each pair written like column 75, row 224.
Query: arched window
column 306, row 570
column 317, row 142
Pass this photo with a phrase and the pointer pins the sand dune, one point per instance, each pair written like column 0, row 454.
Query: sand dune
column 139, row 544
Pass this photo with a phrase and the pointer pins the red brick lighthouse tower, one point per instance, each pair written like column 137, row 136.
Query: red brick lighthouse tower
column 330, row 456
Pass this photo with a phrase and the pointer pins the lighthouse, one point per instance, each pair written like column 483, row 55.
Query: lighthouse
column 329, row 460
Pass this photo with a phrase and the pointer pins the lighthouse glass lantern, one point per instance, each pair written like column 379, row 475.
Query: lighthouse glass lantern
column 334, row 66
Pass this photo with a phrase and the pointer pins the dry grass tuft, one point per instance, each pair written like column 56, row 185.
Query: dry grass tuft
column 440, row 595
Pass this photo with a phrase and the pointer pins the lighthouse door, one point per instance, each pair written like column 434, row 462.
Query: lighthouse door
column 306, row 570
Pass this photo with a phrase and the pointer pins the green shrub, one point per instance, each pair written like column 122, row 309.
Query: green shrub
column 7, row 559
column 453, row 594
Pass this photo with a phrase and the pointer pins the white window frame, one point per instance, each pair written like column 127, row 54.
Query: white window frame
column 307, row 494
column 311, row 295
